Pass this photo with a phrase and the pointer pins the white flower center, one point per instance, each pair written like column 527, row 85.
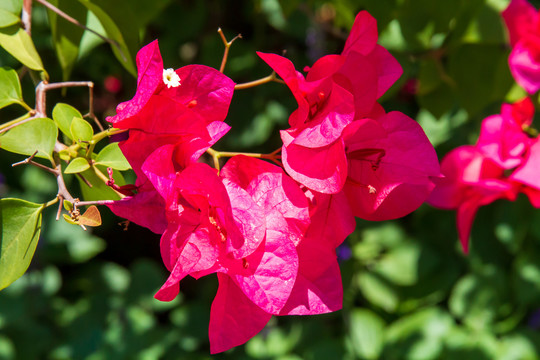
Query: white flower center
column 170, row 78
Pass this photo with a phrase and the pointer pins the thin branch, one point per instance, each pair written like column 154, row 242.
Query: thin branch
column 227, row 47
column 79, row 24
column 36, row 164
column 19, row 121
column 26, row 16
column 270, row 78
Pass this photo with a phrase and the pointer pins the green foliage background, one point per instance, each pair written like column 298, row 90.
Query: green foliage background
column 410, row 293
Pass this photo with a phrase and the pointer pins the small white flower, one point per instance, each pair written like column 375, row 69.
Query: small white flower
column 170, row 78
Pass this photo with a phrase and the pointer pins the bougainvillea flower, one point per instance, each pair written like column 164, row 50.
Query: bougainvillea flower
column 502, row 137
column 337, row 89
column 528, row 174
column 185, row 108
column 471, row 180
column 523, row 24
column 244, row 224
column 391, row 166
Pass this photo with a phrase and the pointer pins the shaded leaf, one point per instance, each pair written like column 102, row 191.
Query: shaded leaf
column 38, row 134
column 10, row 91
column 77, row 165
column 99, row 190
column 19, row 44
column 112, row 156
column 67, row 36
column 117, row 20
column 20, row 226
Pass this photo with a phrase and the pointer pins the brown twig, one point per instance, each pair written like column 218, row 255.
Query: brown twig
column 26, row 16
column 227, row 47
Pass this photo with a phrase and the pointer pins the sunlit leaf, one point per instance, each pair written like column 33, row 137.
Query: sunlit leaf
column 13, row 6
column 111, row 156
column 38, row 134
column 20, row 226
column 10, row 91
column 91, row 217
column 77, row 165
column 367, row 333
column 19, row 44
column 7, row 18
column 81, row 130
column 63, row 115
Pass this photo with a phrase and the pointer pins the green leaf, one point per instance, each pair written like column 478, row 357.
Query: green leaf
column 99, row 190
column 111, row 156
column 481, row 74
column 367, row 334
column 38, row 134
column 77, row 165
column 20, row 226
column 19, row 44
column 378, row 292
column 67, row 36
column 400, row 265
column 116, row 18
column 10, row 91
column 81, row 130
column 63, row 115
column 7, row 18
column 420, row 335
column 13, row 6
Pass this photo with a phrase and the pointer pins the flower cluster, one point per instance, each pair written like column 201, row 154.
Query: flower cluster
column 270, row 233
column 503, row 163
column 523, row 24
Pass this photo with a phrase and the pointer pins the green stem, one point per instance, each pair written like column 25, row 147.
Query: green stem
column 15, row 122
column 97, row 138
column 216, row 155
column 264, row 80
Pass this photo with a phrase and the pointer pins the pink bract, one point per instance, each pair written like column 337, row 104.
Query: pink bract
column 391, row 164
column 188, row 117
column 522, row 22
column 337, row 90
column 471, row 180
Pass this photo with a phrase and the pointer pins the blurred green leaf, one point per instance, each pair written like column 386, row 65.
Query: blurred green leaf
column 38, row 134
column 479, row 300
column 63, row 115
column 65, row 35
column 366, row 333
column 378, row 292
column 400, row 264
column 8, row 18
column 10, row 91
column 19, row 44
column 111, row 156
column 20, row 223
column 77, row 165
column 418, row 336
column 481, row 74
column 81, row 130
